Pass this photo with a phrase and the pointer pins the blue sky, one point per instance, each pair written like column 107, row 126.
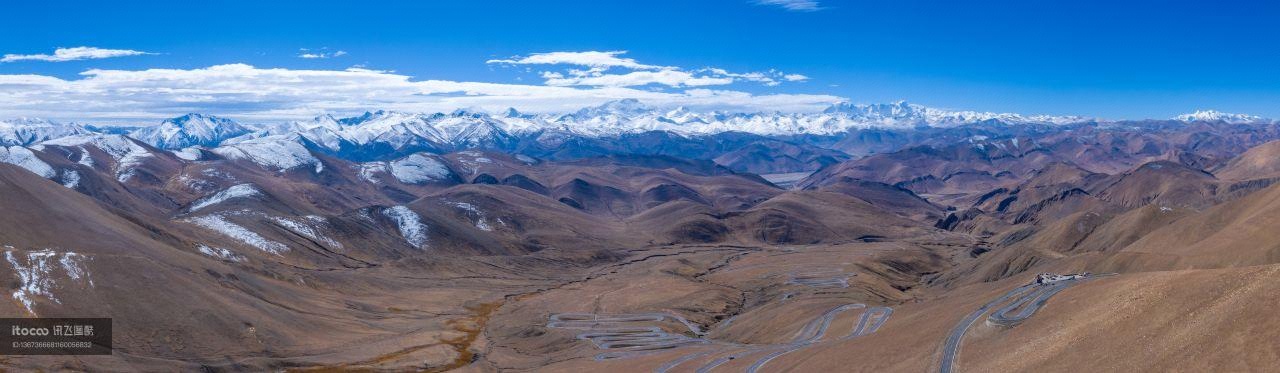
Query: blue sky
column 1131, row 59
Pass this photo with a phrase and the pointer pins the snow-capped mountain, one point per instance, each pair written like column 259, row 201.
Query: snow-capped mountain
column 190, row 130
column 382, row 135
column 463, row 129
column 902, row 113
column 400, row 130
column 397, row 129
column 1215, row 116
column 125, row 153
column 27, row 131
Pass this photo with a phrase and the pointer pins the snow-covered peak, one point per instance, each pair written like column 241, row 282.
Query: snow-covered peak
column 190, row 130
column 326, row 121
column 894, row 110
column 513, row 113
column 1216, row 116
column 624, row 108
column 372, row 116
column 469, row 112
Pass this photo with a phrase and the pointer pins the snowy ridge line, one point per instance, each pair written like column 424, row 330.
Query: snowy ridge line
column 475, row 213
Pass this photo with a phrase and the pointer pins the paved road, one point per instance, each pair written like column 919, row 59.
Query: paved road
column 813, row 332
column 821, row 278
column 625, row 335
column 1027, row 305
column 1030, row 298
column 590, row 320
column 951, row 347
column 870, row 321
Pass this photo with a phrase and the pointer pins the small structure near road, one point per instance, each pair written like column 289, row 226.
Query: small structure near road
column 1049, row 278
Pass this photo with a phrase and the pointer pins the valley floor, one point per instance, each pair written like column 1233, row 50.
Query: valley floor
column 860, row 306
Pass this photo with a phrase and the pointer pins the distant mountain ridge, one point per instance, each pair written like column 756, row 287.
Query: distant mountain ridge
column 755, row 142
column 465, row 128
column 1214, row 116
column 28, row 131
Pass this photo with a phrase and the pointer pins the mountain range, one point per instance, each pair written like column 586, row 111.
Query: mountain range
column 394, row 241
column 384, row 135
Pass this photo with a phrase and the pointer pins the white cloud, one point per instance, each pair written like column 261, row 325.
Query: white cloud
column 72, row 54
column 274, row 94
column 770, row 78
column 588, row 58
column 600, row 64
column 671, row 78
column 321, row 54
column 794, row 5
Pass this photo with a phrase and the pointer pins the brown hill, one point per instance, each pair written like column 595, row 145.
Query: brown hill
column 1259, row 162
column 1163, row 182
column 1235, row 233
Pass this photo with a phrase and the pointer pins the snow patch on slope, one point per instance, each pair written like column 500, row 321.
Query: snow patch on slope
column 126, row 153
column 85, row 159
column 414, row 169
column 410, row 225
column 274, row 152
column 419, row 168
column 305, row 229
column 475, row 213
column 35, row 270
column 237, row 191
column 25, row 158
column 220, row 253
column 369, row 171
column 187, row 154
column 472, row 160
column 70, row 179
column 220, row 224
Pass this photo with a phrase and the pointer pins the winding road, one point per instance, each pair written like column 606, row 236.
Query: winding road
column 626, row 334
column 820, row 278
column 1030, row 298
column 870, row 321
column 1027, row 305
column 813, row 332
